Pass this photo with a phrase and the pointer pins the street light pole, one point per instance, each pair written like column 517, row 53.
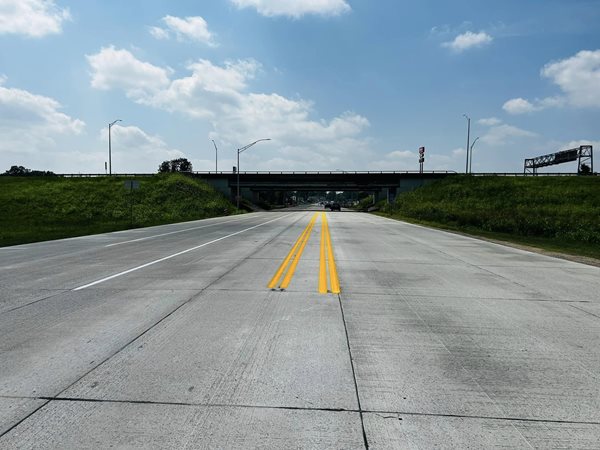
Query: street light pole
column 240, row 150
column 471, row 158
column 216, row 156
column 110, row 125
column 468, row 140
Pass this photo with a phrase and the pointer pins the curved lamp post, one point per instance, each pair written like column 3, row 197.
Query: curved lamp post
column 471, row 158
column 216, row 156
column 240, row 150
column 110, row 125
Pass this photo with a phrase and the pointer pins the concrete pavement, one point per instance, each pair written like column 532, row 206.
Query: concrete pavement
column 169, row 337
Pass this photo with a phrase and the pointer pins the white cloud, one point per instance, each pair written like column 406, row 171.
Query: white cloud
column 159, row 33
column 295, row 8
column 133, row 147
column 32, row 18
column 220, row 94
column 519, row 106
column 491, row 121
column 186, row 28
column 505, row 134
column 113, row 68
column 468, row 41
column 402, row 155
column 20, row 109
column 578, row 77
column 406, row 160
column 30, row 125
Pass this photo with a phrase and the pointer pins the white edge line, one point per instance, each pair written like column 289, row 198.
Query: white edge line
column 174, row 255
column 175, row 232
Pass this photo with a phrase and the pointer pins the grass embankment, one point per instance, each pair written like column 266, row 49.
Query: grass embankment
column 560, row 214
column 42, row 208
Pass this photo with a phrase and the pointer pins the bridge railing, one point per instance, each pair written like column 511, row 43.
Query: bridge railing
column 482, row 174
column 332, row 172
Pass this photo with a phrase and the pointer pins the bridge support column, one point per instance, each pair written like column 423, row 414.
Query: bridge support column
column 376, row 196
column 391, row 194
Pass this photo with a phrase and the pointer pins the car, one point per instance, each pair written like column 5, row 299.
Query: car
column 336, row 207
column 327, row 205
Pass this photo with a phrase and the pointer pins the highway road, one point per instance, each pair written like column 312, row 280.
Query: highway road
column 296, row 329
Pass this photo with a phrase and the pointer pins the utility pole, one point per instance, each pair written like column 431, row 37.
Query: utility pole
column 240, row 150
column 468, row 141
column 471, row 158
column 216, row 156
column 110, row 125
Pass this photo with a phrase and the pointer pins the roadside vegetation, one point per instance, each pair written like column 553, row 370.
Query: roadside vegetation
column 37, row 208
column 553, row 213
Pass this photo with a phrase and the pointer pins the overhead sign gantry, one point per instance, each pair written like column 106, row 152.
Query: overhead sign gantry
column 584, row 154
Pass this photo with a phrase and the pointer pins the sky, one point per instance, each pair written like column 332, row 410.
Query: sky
column 335, row 84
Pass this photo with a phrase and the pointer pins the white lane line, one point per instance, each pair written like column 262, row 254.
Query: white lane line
column 175, row 254
column 175, row 232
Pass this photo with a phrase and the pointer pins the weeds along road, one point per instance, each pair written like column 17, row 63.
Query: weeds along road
column 296, row 329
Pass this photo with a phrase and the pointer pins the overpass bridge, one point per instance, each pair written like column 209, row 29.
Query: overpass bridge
column 383, row 184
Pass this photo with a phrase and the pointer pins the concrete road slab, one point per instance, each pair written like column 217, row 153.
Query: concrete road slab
column 87, row 262
column 87, row 425
column 552, row 435
column 549, row 281
column 47, row 346
column 404, row 431
column 434, row 280
column 410, row 432
column 461, row 336
column 13, row 410
column 236, row 348
column 486, row 358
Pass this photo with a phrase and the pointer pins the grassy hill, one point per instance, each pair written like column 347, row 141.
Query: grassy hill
column 41, row 208
column 555, row 213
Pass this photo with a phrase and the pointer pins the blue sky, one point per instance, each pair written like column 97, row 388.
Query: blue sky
column 336, row 84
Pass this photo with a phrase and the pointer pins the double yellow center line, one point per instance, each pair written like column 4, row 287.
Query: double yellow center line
column 326, row 260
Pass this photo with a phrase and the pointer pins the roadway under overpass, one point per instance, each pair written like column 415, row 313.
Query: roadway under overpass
column 384, row 185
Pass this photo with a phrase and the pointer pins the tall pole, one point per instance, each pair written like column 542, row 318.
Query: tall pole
column 471, row 158
column 240, row 150
column 109, row 151
column 110, row 125
column 468, row 141
column 216, row 156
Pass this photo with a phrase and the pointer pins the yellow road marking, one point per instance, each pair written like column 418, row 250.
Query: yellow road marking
column 333, row 276
column 322, row 263
column 326, row 260
column 303, row 238
column 288, row 277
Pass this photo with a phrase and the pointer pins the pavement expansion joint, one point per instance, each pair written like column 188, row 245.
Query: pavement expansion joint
column 360, row 410
column 584, row 311
column 479, row 417
column 55, row 293
column 381, row 413
column 192, row 404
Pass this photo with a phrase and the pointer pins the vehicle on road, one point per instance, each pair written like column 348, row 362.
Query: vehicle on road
column 335, row 207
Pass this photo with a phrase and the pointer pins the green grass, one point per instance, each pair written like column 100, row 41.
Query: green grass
column 42, row 208
column 554, row 213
